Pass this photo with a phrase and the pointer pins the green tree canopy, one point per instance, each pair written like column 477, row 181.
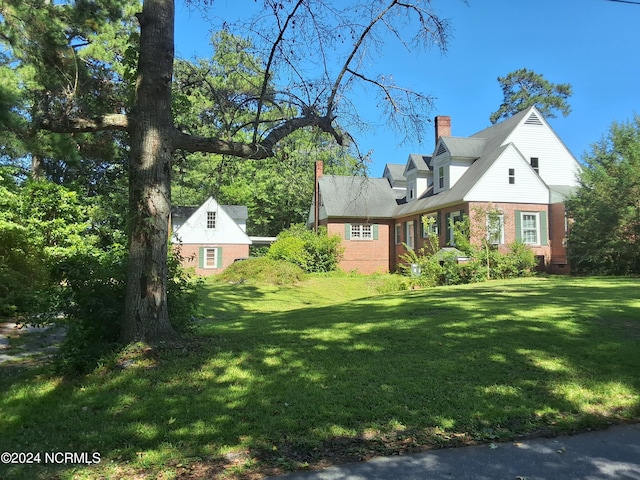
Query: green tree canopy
column 604, row 237
column 523, row 88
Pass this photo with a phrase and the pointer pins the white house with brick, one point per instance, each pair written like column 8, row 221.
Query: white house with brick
column 210, row 237
column 519, row 167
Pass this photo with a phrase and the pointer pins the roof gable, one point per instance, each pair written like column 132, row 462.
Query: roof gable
column 227, row 231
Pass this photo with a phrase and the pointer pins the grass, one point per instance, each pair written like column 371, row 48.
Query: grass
column 327, row 371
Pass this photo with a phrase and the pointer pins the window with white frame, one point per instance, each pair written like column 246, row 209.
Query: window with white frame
column 495, row 228
column 210, row 258
column 454, row 217
column 441, row 178
column 409, row 235
column 530, row 228
column 361, row 231
column 398, row 234
column 211, row 219
column 430, row 224
column 512, row 176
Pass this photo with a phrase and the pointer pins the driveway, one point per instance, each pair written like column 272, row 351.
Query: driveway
column 20, row 342
column 603, row 455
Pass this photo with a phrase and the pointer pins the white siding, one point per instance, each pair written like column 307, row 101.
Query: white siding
column 195, row 231
column 494, row 185
column 557, row 165
column 457, row 169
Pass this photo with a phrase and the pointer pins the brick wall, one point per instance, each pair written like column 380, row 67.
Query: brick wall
column 364, row 256
column 229, row 254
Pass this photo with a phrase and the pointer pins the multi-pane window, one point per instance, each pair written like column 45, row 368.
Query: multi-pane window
column 441, row 177
column 409, row 235
column 530, row 228
column 535, row 165
column 361, row 231
column 211, row 219
column 512, row 176
column 210, row 258
column 398, row 234
column 495, row 229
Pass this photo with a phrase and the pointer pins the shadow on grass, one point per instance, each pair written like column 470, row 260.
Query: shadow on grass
column 381, row 375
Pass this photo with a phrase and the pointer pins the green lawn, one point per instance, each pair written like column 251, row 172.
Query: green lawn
column 288, row 377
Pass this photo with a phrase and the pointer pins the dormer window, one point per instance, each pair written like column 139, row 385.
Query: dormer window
column 211, row 220
column 441, row 177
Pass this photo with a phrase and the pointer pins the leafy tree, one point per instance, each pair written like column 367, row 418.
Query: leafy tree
column 523, row 88
column 311, row 251
column 329, row 34
column 604, row 236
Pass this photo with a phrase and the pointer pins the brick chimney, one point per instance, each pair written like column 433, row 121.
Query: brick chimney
column 316, row 213
column 443, row 127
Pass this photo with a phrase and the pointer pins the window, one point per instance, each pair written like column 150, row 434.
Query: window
column 398, row 234
column 512, row 176
column 530, row 228
column 534, row 165
column 409, row 235
column 210, row 257
column 430, row 225
column 441, row 177
column 211, row 219
column 454, row 217
column 361, row 232
column 495, row 229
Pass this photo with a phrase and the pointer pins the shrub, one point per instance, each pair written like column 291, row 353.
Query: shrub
column 311, row 251
column 263, row 270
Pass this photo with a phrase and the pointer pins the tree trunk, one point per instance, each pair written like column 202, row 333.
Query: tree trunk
column 146, row 316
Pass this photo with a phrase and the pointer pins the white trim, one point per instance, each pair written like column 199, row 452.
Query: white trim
column 536, row 229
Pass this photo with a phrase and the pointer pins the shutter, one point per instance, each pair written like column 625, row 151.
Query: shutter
column 347, row 231
column 375, row 231
column 421, row 220
column 438, row 221
column 518, row 226
column 543, row 229
column 201, row 257
column 218, row 257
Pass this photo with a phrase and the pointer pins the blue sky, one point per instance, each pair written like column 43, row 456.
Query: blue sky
column 592, row 44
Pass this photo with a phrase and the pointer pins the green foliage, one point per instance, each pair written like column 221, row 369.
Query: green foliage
column 311, row 251
column 524, row 88
column 263, row 270
column 604, row 237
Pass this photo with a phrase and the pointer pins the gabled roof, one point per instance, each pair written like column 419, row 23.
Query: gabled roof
column 464, row 147
column 194, row 229
column 395, row 172
column 422, row 163
column 362, row 197
column 491, row 140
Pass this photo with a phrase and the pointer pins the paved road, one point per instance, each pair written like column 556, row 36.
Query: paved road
column 609, row 454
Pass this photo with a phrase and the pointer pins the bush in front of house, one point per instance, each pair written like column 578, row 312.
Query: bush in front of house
column 312, row 251
column 484, row 264
column 263, row 270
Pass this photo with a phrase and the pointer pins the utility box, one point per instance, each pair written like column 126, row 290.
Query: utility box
column 415, row 270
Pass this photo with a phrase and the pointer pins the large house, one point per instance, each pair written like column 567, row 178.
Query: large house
column 519, row 168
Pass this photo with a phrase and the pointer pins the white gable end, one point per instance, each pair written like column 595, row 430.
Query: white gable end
column 494, row 185
column 195, row 230
column 535, row 139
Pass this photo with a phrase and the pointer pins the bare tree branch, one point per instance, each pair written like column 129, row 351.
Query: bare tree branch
column 114, row 121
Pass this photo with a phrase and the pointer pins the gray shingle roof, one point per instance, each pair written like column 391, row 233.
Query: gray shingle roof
column 362, row 197
column 464, row 147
